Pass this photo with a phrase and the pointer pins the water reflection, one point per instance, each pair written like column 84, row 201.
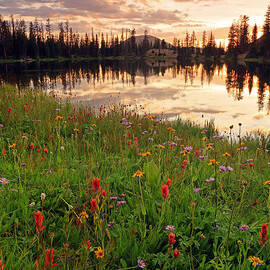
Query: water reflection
column 227, row 92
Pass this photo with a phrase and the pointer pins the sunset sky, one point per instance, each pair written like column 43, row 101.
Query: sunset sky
column 163, row 18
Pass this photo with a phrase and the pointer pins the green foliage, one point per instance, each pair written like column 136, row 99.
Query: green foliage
column 73, row 146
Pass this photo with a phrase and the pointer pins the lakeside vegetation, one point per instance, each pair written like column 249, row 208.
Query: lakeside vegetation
column 114, row 188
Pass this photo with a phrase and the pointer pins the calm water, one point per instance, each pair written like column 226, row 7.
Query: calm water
column 226, row 94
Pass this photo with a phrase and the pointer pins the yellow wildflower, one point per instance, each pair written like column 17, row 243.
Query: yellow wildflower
column 145, row 154
column 138, row 174
column 209, row 147
column 267, row 182
column 226, row 155
column 58, row 117
column 204, row 138
column 213, row 162
column 151, row 116
column 75, row 129
column 94, row 125
column 83, row 215
column 12, row 145
column 161, row 146
column 99, row 253
column 255, row 261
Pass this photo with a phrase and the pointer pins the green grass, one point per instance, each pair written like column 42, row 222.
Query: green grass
column 83, row 145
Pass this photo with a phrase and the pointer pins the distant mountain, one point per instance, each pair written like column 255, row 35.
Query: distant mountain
column 151, row 39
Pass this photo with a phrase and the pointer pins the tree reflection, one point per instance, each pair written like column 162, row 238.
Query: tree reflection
column 67, row 76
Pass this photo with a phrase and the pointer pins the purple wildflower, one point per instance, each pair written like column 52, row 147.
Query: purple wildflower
column 229, row 168
column 202, row 157
column 196, row 190
column 169, row 228
column 4, row 181
column 119, row 203
column 113, row 198
column 110, row 224
column 141, row 263
column 188, row 148
column 150, row 139
column 212, row 179
column 244, row 227
column 222, row 169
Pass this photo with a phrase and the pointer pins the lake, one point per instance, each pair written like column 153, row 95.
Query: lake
column 225, row 94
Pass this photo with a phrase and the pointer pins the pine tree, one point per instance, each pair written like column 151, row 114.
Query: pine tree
column 254, row 33
column 266, row 26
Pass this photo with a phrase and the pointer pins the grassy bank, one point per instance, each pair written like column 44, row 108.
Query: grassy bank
column 114, row 190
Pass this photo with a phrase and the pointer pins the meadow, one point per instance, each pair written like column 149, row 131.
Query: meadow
column 114, row 188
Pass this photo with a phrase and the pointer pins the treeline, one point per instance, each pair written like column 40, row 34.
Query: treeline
column 241, row 40
column 191, row 46
column 37, row 40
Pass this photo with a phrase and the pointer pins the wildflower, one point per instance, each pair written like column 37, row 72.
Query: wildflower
column 145, row 154
column 110, row 224
column 9, row 109
column 212, row 162
column 222, row 169
column 93, row 205
column 1, row 265
column 202, row 157
column 49, row 256
column 185, row 162
column 42, row 197
column 255, row 261
column 96, row 184
column 171, row 237
column 83, row 215
column 196, row 190
column 267, row 182
column 230, row 169
column 169, row 182
column 244, row 227
column 169, row 228
column 254, row 203
column 94, row 125
column 263, row 234
column 204, row 138
column 87, row 243
column 4, row 152
column 164, row 191
column 46, row 151
column 138, row 174
column 4, row 181
column 226, row 155
column 251, row 165
column 141, row 263
column 104, row 193
column 188, row 148
column 39, row 221
column 113, row 198
column 31, row 146
column 50, row 137
column 76, row 130
column 210, row 180
column 99, row 253
column 161, row 146
column 176, row 253
column 12, row 146
column 151, row 116
column 31, row 204
column 58, row 117
column 119, row 203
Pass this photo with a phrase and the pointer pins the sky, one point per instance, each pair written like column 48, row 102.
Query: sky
column 162, row 18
